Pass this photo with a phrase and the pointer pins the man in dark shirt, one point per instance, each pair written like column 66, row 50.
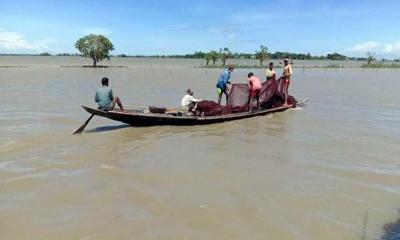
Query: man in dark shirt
column 105, row 98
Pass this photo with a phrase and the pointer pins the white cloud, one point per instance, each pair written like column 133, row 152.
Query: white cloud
column 97, row 30
column 233, row 36
column 365, row 47
column 15, row 41
column 392, row 48
column 214, row 30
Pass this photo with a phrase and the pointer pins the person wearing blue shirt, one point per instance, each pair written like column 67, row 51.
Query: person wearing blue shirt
column 105, row 99
column 222, row 82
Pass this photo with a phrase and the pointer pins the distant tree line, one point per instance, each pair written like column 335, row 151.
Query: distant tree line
column 58, row 54
column 45, row 54
column 223, row 54
column 68, row 54
column 98, row 47
column 262, row 54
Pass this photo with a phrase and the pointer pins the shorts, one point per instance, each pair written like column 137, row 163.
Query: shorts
column 106, row 108
column 220, row 91
column 188, row 107
column 255, row 92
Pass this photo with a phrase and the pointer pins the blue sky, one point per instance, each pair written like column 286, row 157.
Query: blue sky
column 177, row 27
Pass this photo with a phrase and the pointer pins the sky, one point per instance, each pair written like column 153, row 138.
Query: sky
column 179, row 27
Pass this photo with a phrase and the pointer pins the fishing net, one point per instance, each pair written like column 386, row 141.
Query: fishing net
column 210, row 108
column 271, row 95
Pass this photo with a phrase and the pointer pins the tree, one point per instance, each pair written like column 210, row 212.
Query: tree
column 370, row 57
column 196, row 54
column 262, row 55
column 225, row 54
column 207, row 57
column 214, row 56
column 96, row 47
column 336, row 57
column 45, row 54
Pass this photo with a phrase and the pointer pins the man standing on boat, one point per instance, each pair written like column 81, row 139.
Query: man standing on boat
column 254, row 89
column 105, row 98
column 222, row 82
column 189, row 103
column 287, row 74
column 270, row 72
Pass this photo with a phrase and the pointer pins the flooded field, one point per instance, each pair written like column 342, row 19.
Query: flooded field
column 320, row 172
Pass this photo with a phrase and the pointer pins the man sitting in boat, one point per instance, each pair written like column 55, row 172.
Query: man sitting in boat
column 254, row 84
column 189, row 103
column 105, row 98
column 222, row 82
column 270, row 72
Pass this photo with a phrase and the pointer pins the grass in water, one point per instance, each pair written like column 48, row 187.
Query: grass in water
column 335, row 65
column 237, row 66
column 381, row 65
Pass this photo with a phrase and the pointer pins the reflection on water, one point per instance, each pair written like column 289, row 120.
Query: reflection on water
column 302, row 174
column 106, row 128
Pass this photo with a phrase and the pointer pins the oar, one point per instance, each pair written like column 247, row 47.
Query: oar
column 79, row 130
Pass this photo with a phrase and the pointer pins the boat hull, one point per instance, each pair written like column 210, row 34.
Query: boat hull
column 138, row 118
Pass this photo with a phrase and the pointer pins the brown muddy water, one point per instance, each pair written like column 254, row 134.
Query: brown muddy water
column 310, row 173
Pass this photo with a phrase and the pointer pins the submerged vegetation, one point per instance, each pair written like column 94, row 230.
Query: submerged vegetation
column 262, row 55
column 370, row 57
column 224, row 54
column 381, row 65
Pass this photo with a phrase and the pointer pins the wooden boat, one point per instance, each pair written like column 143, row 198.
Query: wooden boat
column 138, row 117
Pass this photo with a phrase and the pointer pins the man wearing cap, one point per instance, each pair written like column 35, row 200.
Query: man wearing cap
column 254, row 89
column 287, row 73
column 188, row 103
column 222, row 82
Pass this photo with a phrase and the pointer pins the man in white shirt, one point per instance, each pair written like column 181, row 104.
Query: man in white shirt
column 188, row 103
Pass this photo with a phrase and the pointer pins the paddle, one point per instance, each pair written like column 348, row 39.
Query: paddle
column 80, row 130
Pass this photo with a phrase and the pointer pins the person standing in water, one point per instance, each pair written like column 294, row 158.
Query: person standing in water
column 287, row 74
column 222, row 82
column 105, row 99
column 254, row 84
column 270, row 72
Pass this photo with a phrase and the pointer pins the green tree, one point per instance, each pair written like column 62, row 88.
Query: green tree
column 224, row 54
column 262, row 55
column 207, row 57
column 214, row 56
column 370, row 57
column 45, row 54
column 336, row 56
column 97, row 47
